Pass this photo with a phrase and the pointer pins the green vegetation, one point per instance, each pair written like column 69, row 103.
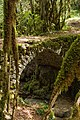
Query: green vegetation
column 1, row 11
column 37, row 18
column 42, row 109
column 27, row 25
column 1, row 18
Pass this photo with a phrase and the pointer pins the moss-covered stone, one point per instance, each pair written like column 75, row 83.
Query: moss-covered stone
column 69, row 63
column 49, row 58
column 49, row 55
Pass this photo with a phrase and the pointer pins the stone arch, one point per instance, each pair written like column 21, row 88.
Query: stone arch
column 30, row 48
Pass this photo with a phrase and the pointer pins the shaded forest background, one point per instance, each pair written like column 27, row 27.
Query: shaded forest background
column 36, row 17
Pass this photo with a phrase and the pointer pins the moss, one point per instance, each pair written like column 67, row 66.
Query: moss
column 76, row 109
column 50, row 44
column 42, row 92
column 68, row 38
column 70, row 59
column 31, row 86
column 66, row 74
column 77, row 95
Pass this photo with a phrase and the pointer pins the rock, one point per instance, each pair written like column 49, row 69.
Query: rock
column 46, row 75
column 28, row 71
column 63, row 114
column 78, row 105
column 49, row 58
column 63, row 107
column 78, row 102
column 58, row 118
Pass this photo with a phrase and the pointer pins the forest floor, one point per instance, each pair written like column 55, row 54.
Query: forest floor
column 27, row 112
column 33, row 110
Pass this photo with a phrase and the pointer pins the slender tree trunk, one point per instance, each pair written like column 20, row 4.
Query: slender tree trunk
column 32, row 8
column 6, row 50
column 69, row 8
column 15, row 56
column 9, row 47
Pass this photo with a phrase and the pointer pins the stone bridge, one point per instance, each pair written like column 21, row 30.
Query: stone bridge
column 40, row 59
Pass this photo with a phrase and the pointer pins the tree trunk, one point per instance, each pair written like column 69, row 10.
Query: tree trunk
column 66, row 74
column 9, row 47
column 32, row 8
column 69, row 8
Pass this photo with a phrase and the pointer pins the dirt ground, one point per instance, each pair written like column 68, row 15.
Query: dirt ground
column 28, row 111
